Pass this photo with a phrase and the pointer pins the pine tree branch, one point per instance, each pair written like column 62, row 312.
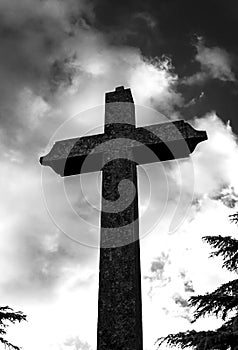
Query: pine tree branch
column 220, row 302
column 209, row 340
column 9, row 345
column 223, row 300
column 234, row 218
column 8, row 315
column 231, row 324
column 226, row 247
column 223, row 338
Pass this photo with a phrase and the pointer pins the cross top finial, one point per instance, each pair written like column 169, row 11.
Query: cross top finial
column 120, row 94
column 119, row 88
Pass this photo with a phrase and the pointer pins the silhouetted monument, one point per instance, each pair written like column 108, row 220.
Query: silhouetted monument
column 117, row 152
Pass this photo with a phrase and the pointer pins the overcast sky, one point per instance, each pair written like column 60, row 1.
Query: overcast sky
column 57, row 60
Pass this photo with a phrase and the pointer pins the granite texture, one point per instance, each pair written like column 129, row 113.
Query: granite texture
column 119, row 301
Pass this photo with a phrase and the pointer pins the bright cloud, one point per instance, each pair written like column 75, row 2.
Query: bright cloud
column 214, row 160
column 155, row 81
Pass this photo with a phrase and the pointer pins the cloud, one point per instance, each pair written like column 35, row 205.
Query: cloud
column 155, row 81
column 214, row 160
column 31, row 108
column 216, row 63
column 145, row 16
column 101, row 67
column 32, row 34
column 227, row 196
column 77, row 344
column 215, row 163
column 55, row 65
column 35, row 256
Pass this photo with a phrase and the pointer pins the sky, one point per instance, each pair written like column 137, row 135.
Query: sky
column 57, row 60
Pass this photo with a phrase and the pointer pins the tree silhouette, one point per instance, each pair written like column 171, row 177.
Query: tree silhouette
column 223, row 302
column 8, row 315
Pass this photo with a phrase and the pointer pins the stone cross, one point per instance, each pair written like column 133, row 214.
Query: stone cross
column 117, row 152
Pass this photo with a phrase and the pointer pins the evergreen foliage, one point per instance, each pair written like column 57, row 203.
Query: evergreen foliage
column 222, row 302
column 8, row 315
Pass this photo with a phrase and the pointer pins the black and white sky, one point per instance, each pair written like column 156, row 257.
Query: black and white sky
column 57, row 60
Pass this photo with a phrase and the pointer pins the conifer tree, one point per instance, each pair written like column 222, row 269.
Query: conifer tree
column 8, row 315
column 222, row 302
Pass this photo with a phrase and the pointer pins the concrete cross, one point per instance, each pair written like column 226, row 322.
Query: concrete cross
column 117, row 152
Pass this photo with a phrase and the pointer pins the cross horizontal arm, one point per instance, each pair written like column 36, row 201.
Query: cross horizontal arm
column 153, row 143
column 67, row 156
column 168, row 132
column 167, row 141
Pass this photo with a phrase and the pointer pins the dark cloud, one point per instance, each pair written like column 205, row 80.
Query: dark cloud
column 183, row 305
column 128, row 23
column 178, row 23
column 158, row 271
column 180, row 301
column 176, row 19
column 188, row 285
column 34, row 58
column 227, row 196
column 60, row 74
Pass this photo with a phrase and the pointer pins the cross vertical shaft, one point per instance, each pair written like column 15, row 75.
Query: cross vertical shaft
column 119, row 302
